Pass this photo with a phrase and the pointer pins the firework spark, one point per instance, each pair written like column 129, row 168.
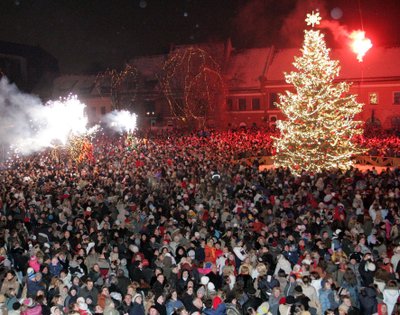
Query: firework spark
column 360, row 44
column 121, row 121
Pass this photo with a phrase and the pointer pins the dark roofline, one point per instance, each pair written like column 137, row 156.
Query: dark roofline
column 29, row 52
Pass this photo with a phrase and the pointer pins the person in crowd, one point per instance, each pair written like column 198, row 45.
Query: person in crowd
column 157, row 218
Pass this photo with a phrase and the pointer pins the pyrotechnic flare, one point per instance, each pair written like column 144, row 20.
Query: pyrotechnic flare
column 360, row 44
column 53, row 123
column 121, row 121
column 356, row 40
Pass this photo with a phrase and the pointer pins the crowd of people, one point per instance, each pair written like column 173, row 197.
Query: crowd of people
column 244, row 143
column 172, row 225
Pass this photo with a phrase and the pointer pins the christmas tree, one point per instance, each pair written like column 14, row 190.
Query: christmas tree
column 319, row 131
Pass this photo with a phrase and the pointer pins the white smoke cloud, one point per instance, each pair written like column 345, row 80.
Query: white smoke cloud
column 121, row 121
column 30, row 126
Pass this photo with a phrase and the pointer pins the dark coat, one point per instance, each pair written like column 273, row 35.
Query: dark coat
column 368, row 301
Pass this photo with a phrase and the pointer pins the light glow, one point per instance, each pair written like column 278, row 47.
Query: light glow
column 360, row 44
column 319, row 131
column 54, row 123
column 121, row 121
column 313, row 19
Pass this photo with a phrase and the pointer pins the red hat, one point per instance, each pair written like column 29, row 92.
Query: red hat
column 145, row 263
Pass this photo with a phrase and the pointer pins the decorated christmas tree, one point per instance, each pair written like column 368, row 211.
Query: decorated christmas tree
column 319, row 130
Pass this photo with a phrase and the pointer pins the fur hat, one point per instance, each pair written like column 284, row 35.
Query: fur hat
column 204, row 280
column 211, row 287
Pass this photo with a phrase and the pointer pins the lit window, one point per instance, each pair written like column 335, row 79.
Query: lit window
column 373, row 98
column 242, row 104
column 396, row 98
column 255, row 104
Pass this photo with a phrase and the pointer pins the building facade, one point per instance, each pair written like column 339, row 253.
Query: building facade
column 253, row 80
column 375, row 81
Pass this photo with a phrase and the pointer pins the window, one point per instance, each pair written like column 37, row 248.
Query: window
column 373, row 98
column 396, row 98
column 150, row 107
column 242, row 104
column 103, row 110
column 229, row 104
column 273, row 98
column 255, row 104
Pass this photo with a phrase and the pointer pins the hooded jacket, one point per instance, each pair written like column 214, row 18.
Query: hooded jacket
column 390, row 296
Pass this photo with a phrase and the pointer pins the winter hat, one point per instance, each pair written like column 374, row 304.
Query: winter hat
column 16, row 306
column 145, row 263
column 133, row 248
column 263, row 309
column 80, row 300
column 204, row 280
column 298, row 289
column 337, row 232
column 211, row 287
column 89, row 247
column 328, row 198
column 290, row 299
column 136, row 296
column 116, row 296
column 82, row 304
column 30, row 273
column 191, row 254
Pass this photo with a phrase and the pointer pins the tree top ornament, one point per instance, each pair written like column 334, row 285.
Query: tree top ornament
column 313, row 18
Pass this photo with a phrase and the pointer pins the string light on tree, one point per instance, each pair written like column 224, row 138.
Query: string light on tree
column 115, row 83
column 319, row 131
column 192, row 84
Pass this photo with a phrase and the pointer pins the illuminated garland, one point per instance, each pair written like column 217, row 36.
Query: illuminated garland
column 80, row 149
column 117, row 83
column 319, row 131
column 192, row 83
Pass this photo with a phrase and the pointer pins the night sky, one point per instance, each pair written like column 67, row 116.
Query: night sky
column 90, row 35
